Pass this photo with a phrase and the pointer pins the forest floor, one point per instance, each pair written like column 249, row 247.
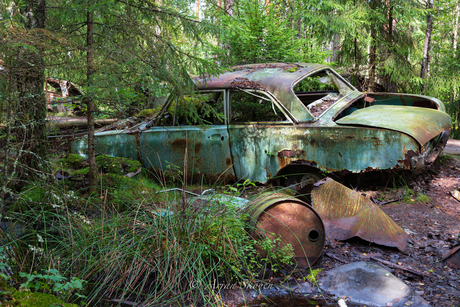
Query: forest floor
column 433, row 227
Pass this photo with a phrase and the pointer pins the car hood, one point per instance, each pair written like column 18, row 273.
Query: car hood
column 422, row 124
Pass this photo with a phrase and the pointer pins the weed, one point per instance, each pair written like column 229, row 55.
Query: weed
column 313, row 276
column 52, row 282
column 444, row 159
column 423, row 198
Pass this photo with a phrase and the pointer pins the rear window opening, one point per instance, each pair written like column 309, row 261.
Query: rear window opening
column 389, row 100
column 319, row 91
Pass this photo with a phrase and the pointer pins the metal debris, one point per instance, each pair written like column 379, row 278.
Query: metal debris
column 348, row 214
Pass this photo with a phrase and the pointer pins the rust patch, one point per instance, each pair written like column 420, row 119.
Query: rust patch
column 369, row 99
column 283, row 161
column 291, row 153
column 408, row 156
column 228, row 161
column 252, row 68
column 294, row 222
column 197, row 147
column 349, row 137
column 179, row 143
column 340, row 155
column 245, row 83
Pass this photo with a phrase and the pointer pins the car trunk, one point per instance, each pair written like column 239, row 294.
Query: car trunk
column 422, row 124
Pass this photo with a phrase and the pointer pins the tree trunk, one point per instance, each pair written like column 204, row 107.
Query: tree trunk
column 390, row 22
column 426, row 46
column 372, row 49
column 92, row 174
column 372, row 63
column 30, row 123
column 455, row 34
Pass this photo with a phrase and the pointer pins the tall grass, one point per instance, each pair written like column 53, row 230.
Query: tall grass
column 156, row 252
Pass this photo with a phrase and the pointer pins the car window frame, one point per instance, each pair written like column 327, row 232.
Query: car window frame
column 274, row 101
column 345, row 81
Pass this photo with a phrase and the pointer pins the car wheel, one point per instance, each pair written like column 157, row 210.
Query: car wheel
column 302, row 184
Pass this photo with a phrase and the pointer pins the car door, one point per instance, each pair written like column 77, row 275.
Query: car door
column 196, row 150
column 255, row 121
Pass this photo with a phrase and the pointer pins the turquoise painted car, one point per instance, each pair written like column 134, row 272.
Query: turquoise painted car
column 284, row 122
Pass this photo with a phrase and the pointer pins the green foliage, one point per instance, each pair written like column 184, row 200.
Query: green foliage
column 313, row 276
column 259, row 32
column 52, row 282
column 194, row 110
column 142, row 50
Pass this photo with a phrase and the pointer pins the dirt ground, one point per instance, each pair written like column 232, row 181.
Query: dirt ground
column 433, row 227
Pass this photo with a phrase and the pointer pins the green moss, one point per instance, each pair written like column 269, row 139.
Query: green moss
column 116, row 165
column 81, row 172
column 35, row 299
column 72, row 161
column 30, row 299
column 124, row 191
column 33, row 193
column 149, row 112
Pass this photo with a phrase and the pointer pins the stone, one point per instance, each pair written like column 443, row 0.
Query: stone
column 369, row 284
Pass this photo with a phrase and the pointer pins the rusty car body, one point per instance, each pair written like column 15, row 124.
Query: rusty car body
column 267, row 121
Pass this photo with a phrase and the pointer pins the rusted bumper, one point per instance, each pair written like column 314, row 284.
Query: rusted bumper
column 431, row 151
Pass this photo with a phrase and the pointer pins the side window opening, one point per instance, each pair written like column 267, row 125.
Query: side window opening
column 320, row 91
column 201, row 108
column 253, row 106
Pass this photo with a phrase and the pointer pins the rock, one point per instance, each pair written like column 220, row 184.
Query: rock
column 369, row 284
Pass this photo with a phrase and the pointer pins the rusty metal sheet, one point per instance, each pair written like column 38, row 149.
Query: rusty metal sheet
column 423, row 124
column 293, row 221
column 348, row 214
column 261, row 151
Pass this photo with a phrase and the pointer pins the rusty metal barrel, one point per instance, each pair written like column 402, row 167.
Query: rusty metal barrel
column 293, row 221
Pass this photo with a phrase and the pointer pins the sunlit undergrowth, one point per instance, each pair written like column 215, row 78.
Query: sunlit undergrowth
column 131, row 243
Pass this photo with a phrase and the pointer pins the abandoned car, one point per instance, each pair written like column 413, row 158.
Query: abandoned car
column 283, row 121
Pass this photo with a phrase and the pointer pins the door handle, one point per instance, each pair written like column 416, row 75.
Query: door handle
column 216, row 137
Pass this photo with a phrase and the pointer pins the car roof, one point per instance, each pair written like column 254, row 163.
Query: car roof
column 277, row 78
